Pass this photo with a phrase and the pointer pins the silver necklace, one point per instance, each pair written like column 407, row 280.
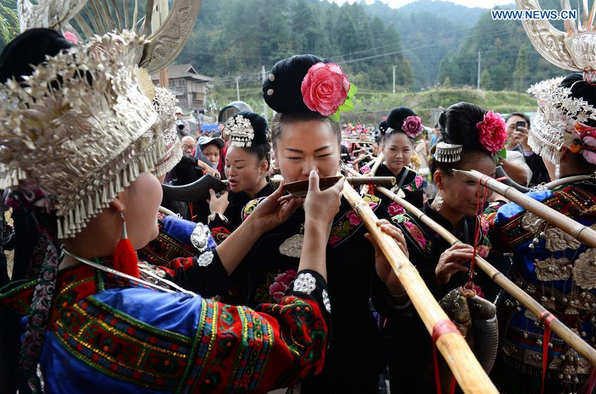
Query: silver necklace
column 132, row 278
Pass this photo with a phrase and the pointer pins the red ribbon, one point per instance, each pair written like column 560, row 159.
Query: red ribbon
column 545, row 318
column 442, row 327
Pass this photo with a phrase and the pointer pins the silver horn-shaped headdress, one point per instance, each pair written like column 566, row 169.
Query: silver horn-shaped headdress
column 573, row 49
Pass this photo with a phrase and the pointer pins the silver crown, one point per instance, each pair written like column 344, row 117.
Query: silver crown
column 447, row 153
column 240, row 131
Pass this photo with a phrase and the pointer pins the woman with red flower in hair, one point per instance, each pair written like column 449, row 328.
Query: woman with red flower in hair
column 307, row 93
column 397, row 143
column 470, row 138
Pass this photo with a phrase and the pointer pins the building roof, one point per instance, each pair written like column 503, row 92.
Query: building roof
column 184, row 71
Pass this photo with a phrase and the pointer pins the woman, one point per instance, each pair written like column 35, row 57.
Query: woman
column 397, row 143
column 305, row 138
column 555, row 268
column 92, row 324
column 471, row 138
column 246, row 167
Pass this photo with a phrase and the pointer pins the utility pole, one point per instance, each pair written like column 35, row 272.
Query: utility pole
column 479, row 65
column 394, row 79
column 264, row 104
column 237, row 89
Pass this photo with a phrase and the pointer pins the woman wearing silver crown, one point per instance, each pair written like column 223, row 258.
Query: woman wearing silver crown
column 77, row 143
column 553, row 267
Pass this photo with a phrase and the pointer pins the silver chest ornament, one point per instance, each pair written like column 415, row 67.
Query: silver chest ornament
column 292, row 247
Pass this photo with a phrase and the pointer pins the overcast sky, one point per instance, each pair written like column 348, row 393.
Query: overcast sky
column 468, row 3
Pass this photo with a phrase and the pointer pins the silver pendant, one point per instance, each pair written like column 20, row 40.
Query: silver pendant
column 292, row 247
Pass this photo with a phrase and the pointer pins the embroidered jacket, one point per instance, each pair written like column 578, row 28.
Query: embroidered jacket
column 414, row 374
column 110, row 335
column 409, row 182
column 558, row 271
column 355, row 356
column 220, row 229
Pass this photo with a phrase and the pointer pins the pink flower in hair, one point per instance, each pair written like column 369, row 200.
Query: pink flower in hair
column 412, row 126
column 71, row 37
column 325, row 88
column 492, row 132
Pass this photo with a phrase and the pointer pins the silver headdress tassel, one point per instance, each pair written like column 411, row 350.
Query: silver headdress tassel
column 240, row 131
column 91, row 98
column 164, row 103
column 447, row 153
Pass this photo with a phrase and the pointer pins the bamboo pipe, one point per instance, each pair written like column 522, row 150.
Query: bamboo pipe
column 465, row 367
column 373, row 170
column 577, row 230
column 530, row 303
column 358, row 160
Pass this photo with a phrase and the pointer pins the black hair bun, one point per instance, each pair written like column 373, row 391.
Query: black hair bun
column 259, row 126
column 396, row 117
column 30, row 48
column 281, row 88
column 458, row 125
column 383, row 127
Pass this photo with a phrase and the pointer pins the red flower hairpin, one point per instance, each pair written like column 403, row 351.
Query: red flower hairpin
column 492, row 134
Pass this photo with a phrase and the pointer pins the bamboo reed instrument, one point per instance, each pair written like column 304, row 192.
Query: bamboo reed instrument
column 358, row 160
column 577, row 230
column 452, row 345
column 530, row 303
column 373, row 170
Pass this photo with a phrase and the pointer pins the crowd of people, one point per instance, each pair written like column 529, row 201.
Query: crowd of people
column 117, row 287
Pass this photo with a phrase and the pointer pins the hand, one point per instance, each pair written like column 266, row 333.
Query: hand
column 520, row 135
column 218, row 204
column 274, row 210
column 452, row 260
column 212, row 171
column 384, row 269
column 322, row 206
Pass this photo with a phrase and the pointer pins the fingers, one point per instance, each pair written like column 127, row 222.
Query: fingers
column 454, row 266
column 279, row 192
column 313, row 181
column 339, row 186
column 212, row 194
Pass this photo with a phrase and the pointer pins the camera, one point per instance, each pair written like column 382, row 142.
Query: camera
column 519, row 124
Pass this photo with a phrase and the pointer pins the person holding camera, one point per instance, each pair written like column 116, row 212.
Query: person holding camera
column 518, row 125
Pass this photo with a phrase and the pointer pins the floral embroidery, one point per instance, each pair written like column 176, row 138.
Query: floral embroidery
column 350, row 222
column 395, row 209
column 281, row 283
column 415, row 185
column 248, row 208
column 220, row 234
column 416, row 233
column 484, row 225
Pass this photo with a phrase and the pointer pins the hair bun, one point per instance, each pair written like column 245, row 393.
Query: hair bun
column 383, row 127
column 458, row 125
column 281, row 87
column 30, row 48
column 396, row 117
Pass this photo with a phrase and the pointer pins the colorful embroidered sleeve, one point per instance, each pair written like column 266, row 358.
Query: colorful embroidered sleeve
column 135, row 339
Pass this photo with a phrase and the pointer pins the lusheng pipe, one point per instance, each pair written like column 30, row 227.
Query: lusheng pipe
column 502, row 176
column 195, row 191
column 577, row 230
column 530, row 303
column 452, row 345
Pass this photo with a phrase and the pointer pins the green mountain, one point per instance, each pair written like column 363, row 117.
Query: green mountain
column 508, row 59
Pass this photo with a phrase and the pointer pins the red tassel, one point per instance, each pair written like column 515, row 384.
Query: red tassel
column 125, row 257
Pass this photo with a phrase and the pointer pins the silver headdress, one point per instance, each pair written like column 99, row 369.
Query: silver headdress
column 97, row 18
column 574, row 49
column 79, row 129
column 164, row 103
column 240, row 131
column 447, row 153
